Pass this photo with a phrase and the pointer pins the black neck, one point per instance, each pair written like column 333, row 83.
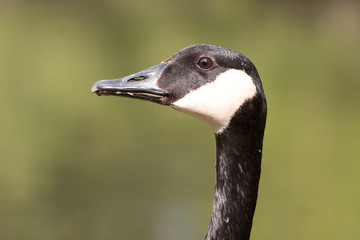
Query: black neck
column 238, row 166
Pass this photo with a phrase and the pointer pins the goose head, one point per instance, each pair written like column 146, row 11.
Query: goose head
column 206, row 81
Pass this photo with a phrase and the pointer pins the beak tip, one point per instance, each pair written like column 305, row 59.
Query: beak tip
column 95, row 88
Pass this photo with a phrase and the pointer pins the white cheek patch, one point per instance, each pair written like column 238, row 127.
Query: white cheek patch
column 216, row 102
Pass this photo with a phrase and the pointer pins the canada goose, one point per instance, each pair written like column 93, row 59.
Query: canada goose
column 221, row 87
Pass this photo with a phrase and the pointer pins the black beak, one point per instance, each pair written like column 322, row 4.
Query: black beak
column 143, row 85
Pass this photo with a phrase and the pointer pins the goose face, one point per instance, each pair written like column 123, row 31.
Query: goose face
column 206, row 81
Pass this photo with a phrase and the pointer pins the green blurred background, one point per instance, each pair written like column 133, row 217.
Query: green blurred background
column 77, row 166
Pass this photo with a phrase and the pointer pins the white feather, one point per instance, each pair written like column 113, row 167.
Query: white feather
column 216, row 102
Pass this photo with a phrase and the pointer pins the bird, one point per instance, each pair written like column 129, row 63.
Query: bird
column 221, row 87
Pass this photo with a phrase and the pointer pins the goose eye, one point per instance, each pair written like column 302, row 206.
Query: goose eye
column 205, row 63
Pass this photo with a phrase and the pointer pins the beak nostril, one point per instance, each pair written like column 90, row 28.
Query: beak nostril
column 134, row 79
